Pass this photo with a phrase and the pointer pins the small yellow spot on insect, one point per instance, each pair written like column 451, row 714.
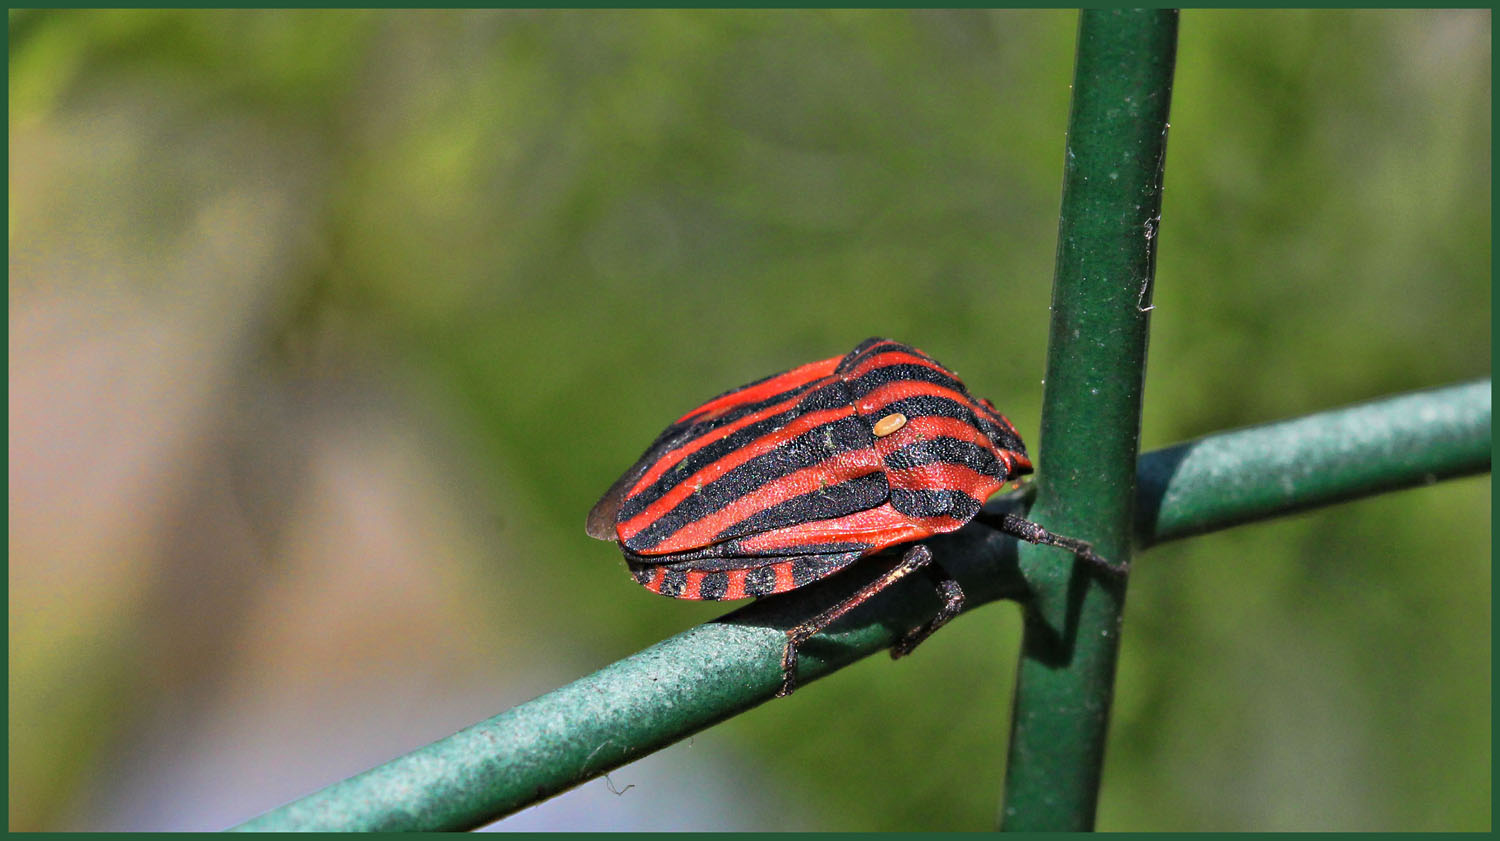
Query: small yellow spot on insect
column 888, row 424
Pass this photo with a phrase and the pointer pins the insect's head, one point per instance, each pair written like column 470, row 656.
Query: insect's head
column 1003, row 435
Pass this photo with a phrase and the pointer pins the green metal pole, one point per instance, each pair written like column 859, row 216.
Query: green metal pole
column 708, row 673
column 1091, row 407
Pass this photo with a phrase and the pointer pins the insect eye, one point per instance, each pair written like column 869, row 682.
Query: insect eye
column 888, row 424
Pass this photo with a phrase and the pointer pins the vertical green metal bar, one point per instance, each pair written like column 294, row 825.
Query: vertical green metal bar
column 1096, row 357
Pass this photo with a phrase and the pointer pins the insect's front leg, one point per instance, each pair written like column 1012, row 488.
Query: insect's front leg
column 1018, row 526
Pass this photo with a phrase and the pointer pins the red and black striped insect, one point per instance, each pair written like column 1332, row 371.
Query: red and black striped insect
column 791, row 478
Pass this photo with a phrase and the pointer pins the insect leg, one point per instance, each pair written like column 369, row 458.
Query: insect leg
column 1030, row 532
column 953, row 604
column 915, row 558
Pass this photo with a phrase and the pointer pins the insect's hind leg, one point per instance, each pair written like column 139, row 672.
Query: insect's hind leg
column 914, row 559
column 953, row 604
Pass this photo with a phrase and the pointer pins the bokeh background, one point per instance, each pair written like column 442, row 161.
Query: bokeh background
column 328, row 328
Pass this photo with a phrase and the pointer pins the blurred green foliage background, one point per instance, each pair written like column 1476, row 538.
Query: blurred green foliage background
column 327, row 329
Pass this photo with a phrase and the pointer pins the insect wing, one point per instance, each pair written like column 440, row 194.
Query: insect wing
column 601, row 522
column 716, row 419
column 783, row 451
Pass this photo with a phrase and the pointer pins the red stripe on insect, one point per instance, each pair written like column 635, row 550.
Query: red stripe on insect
column 944, row 475
column 934, row 426
column 876, row 401
column 659, row 576
column 760, row 446
column 850, row 464
column 784, row 579
column 670, row 459
column 875, row 528
column 760, row 391
column 692, row 582
column 735, row 588
column 894, row 356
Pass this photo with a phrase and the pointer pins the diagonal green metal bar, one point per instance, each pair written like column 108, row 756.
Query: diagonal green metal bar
column 1400, row 442
column 1091, row 414
column 709, row 673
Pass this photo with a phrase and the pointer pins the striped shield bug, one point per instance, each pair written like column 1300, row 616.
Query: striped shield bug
column 791, row 478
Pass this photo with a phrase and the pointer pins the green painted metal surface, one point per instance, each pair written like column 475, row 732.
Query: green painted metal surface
column 1273, row 470
column 1091, row 408
column 671, row 690
column 641, row 703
